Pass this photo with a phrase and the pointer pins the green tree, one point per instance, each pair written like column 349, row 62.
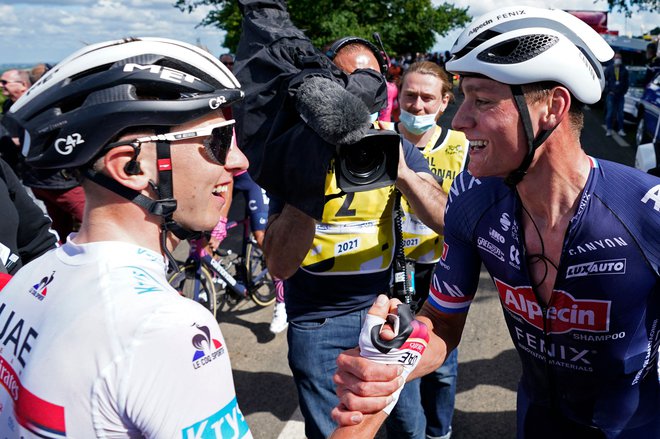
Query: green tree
column 404, row 25
column 629, row 6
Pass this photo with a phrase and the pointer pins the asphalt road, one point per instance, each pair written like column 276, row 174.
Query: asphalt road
column 488, row 364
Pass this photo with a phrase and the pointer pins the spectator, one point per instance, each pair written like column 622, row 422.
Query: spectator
column 616, row 86
column 391, row 111
column 228, row 60
column 652, row 62
column 14, row 84
column 394, row 71
column 425, row 93
column 38, row 71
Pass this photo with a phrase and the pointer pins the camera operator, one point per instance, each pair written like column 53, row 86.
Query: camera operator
column 337, row 267
column 300, row 108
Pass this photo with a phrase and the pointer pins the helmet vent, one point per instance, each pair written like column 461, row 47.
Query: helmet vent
column 518, row 50
column 122, row 92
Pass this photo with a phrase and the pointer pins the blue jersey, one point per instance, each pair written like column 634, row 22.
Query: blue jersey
column 591, row 354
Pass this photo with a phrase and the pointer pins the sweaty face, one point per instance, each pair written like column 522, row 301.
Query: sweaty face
column 200, row 183
column 352, row 58
column 422, row 94
column 490, row 120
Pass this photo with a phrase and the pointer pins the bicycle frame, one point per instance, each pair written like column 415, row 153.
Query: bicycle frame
column 217, row 267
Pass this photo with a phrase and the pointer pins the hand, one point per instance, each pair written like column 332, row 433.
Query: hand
column 364, row 386
column 402, row 167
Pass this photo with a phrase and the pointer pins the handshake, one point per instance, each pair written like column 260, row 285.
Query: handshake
column 371, row 379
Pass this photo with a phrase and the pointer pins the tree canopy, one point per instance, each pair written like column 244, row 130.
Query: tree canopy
column 630, row 6
column 404, row 25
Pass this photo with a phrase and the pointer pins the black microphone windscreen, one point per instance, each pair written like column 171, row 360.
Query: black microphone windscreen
column 338, row 116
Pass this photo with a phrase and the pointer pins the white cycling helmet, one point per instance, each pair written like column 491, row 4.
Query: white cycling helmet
column 104, row 89
column 521, row 45
column 86, row 101
column 518, row 45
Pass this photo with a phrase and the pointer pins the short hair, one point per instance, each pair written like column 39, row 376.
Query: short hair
column 38, row 71
column 431, row 68
column 536, row 91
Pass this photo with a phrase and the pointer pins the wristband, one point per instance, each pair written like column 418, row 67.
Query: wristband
column 405, row 349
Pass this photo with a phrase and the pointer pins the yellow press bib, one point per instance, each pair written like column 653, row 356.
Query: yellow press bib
column 356, row 232
column 446, row 156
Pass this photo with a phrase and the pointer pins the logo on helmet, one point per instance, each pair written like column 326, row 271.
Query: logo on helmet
column 163, row 72
column 65, row 146
column 217, row 102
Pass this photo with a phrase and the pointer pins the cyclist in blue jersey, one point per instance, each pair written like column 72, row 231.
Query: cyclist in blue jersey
column 570, row 241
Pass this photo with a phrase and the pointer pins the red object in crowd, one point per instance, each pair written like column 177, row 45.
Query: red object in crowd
column 4, row 278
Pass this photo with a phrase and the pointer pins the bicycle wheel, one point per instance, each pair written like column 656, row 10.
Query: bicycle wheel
column 260, row 283
column 187, row 280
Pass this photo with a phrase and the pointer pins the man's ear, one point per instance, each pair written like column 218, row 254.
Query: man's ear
column 559, row 102
column 122, row 165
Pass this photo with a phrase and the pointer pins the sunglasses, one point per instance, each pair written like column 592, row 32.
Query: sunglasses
column 217, row 143
column 5, row 82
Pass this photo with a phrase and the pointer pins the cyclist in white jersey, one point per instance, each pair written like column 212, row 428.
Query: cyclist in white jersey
column 95, row 343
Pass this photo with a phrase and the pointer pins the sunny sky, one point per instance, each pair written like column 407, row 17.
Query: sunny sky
column 48, row 30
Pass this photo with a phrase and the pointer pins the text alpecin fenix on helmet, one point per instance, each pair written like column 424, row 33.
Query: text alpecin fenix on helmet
column 90, row 97
column 519, row 45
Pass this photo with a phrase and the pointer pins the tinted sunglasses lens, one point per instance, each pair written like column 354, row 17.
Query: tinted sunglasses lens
column 219, row 142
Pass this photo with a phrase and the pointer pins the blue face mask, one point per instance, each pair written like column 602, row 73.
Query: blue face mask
column 417, row 124
column 373, row 117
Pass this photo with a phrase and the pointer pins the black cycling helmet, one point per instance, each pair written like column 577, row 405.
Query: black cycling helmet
column 85, row 101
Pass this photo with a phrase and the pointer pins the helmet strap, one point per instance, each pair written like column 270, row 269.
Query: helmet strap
column 533, row 143
column 165, row 192
column 164, row 206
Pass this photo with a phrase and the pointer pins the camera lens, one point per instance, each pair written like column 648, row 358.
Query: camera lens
column 363, row 164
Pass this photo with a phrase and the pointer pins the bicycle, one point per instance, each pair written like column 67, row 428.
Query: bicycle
column 224, row 278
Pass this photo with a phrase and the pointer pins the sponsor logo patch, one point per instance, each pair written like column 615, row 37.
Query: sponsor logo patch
column 564, row 314
column 39, row 290
column 491, row 248
column 65, row 145
column 207, row 348
column 227, row 422
column 612, row 266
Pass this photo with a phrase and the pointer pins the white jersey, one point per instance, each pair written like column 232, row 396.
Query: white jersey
column 94, row 343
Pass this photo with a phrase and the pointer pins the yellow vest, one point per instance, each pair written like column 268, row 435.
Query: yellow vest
column 446, row 159
column 356, row 232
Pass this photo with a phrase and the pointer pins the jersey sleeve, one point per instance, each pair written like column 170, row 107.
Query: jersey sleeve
column 634, row 197
column 456, row 276
column 34, row 235
column 177, row 381
column 414, row 158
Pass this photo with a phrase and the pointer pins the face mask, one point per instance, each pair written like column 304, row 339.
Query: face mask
column 373, row 117
column 617, row 62
column 417, row 124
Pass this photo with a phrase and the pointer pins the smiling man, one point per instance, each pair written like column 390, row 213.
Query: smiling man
column 570, row 241
column 99, row 344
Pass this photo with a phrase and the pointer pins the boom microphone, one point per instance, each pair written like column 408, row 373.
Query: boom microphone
column 335, row 114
